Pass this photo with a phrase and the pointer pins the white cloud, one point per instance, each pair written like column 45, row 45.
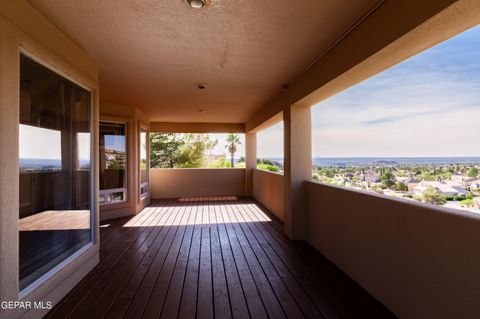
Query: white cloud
column 426, row 106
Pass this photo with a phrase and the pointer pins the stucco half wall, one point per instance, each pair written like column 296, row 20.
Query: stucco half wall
column 184, row 182
column 418, row 261
column 268, row 190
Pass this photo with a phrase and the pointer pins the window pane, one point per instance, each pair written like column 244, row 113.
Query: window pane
column 143, row 162
column 55, row 160
column 113, row 187
column 40, row 149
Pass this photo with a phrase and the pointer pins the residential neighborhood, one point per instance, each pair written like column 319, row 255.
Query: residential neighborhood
column 450, row 185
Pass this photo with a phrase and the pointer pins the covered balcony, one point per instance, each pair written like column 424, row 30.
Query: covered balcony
column 90, row 228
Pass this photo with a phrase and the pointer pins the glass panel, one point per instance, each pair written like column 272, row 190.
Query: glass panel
column 113, row 161
column 55, row 179
column 143, row 162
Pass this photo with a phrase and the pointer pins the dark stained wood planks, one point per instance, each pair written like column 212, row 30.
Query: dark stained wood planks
column 211, row 258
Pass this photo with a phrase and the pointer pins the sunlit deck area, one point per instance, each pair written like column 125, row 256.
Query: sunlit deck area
column 215, row 257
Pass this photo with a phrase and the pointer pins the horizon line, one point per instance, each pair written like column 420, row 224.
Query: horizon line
column 377, row 156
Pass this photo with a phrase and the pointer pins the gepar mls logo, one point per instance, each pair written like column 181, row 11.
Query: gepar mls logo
column 12, row 305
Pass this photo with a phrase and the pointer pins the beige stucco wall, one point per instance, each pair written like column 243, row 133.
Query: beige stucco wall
column 181, row 127
column 268, row 190
column 182, row 182
column 23, row 29
column 418, row 261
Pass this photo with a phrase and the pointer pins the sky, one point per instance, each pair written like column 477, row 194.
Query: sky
column 36, row 142
column 115, row 142
column 270, row 141
column 222, row 142
column 428, row 105
column 42, row 143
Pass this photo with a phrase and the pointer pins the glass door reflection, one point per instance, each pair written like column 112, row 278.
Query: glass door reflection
column 113, row 163
column 55, row 170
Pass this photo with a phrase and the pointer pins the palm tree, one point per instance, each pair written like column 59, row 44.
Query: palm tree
column 232, row 141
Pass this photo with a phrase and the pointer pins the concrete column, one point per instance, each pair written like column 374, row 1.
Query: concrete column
column 9, row 183
column 297, row 125
column 250, row 161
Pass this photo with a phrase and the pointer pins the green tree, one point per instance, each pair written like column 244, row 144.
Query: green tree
column 427, row 176
column 447, row 175
column 164, row 149
column 169, row 150
column 388, row 179
column 219, row 163
column 192, row 153
column 265, row 161
column 233, row 140
column 472, row 172
column 401, row 186
column 268, row 167
column 433, row 196
column 328, row 172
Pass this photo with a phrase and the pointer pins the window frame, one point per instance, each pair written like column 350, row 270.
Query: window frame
column 93, row 125
column 143, row 196
column 125, row 189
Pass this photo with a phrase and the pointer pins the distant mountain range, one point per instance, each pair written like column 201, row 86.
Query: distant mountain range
column 47, row 164
column 54, row 164
column 386, row 161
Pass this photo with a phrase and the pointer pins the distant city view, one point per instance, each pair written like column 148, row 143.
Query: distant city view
column 47, row 165
column 115, row 159
column 452, row 182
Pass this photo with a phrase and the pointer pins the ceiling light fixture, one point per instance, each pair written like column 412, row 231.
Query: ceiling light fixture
column 196, row 4
column 201, row 86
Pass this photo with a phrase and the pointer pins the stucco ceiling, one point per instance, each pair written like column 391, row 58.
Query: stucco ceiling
column 152, row 53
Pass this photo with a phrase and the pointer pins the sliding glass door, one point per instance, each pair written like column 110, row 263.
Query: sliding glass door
column 55, row 176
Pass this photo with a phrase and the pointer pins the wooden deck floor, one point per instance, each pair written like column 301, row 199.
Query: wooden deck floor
column 215, row 258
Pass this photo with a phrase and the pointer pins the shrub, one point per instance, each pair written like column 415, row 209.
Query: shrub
column 268, row 167
column 433, row 196
column 467, row 202
column 401, row 187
